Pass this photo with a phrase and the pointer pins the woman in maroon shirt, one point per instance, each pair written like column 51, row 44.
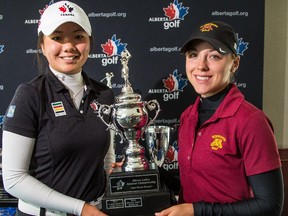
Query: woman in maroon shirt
column 228, row 156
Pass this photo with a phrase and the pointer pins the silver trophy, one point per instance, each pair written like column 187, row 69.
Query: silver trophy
column 129, row 119
column 157, row 141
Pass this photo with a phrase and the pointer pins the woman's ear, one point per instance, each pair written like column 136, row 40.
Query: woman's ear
column 43, row 49
column 235, row 65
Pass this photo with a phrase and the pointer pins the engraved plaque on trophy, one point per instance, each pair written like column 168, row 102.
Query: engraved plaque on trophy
column 135, row 188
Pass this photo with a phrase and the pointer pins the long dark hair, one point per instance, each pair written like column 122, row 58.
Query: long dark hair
column 41, row 60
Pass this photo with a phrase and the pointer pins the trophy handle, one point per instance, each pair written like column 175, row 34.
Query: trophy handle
column 151, row 105
column 103, row 109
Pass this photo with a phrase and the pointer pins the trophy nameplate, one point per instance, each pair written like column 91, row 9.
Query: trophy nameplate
column 135, row 182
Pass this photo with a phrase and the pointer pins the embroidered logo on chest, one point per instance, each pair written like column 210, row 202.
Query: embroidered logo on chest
column 217, row 142
column 58, row 108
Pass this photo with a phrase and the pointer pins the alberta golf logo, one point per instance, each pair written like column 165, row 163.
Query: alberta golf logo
column 171, row 159
column 242, row 47
column 112, row 50
column 174, row 84
column 41, row 11
column 174, row 13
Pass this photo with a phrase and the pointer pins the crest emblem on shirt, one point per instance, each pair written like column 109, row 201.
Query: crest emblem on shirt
column 217, row 142
column 11, row 111
column 58, row 108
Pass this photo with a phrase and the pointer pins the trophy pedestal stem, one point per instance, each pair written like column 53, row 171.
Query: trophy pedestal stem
column 135, row 193
column 135, row 159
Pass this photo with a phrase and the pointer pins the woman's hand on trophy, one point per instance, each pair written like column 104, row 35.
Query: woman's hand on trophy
column 89, row 210
column 185, row 209
column 116, row 165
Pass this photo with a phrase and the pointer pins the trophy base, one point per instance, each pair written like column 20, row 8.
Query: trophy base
column 137, row 193
column 143, row 204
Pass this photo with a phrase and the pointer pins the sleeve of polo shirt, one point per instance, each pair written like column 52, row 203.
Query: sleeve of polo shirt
column 258, row 145
column 23, row 112
column 19, row 183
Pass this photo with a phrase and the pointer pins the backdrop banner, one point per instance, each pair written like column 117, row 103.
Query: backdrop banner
column 153, row 32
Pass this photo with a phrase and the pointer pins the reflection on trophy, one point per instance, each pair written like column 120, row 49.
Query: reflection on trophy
column 157, row 141
column 135, row 188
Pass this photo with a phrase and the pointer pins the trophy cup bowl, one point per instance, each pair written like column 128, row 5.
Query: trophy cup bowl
column 131, row 117
column 157, row 142
column 130, row 112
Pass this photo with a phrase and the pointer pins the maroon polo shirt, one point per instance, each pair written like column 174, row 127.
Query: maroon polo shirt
column 237, row 141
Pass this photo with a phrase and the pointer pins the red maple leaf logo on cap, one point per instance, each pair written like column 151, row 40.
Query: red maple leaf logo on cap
column 63, row 9
column 66, row 8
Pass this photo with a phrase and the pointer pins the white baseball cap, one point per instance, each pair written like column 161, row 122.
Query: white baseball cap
column 62, row 12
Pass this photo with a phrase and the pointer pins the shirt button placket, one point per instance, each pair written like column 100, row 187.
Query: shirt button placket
column 81, row 106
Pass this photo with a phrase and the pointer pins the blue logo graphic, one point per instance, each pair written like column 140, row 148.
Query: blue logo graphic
column 242, row 46
column 176, row 11
column 113, row 46
column 175, row 82
column 1, row 48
